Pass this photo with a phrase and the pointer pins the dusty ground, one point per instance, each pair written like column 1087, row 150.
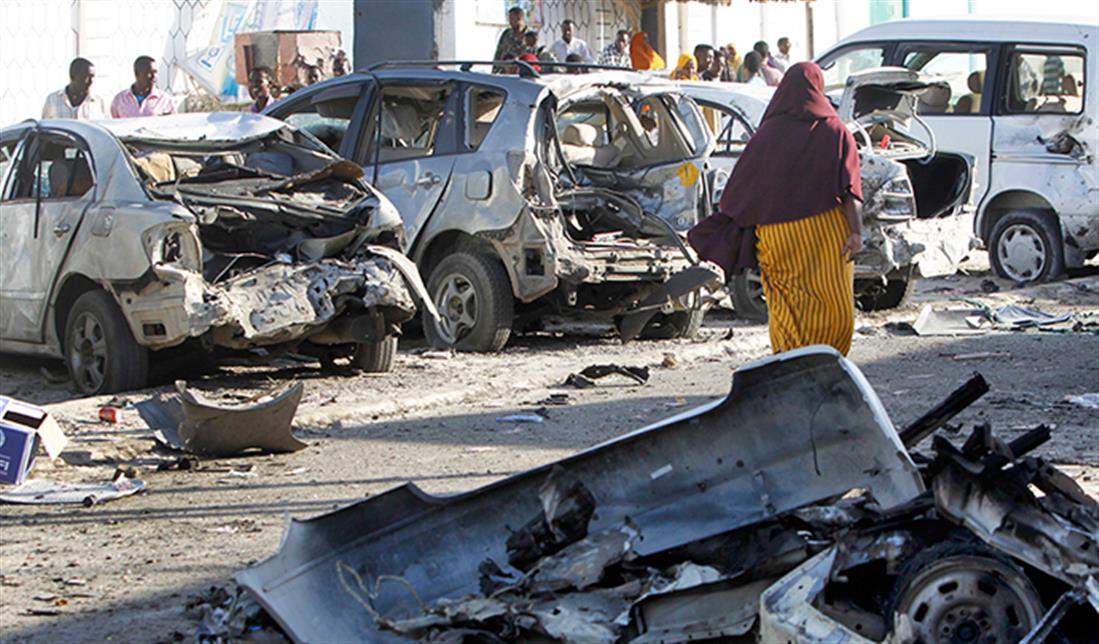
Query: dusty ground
column 124, row 570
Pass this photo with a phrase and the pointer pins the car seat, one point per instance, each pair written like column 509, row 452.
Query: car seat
column 971, row 103
column 935, row 100
column 69, row 178
column 578, row 146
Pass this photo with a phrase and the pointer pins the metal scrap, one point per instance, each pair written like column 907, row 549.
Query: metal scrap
column 588, row 375
column 190, row 422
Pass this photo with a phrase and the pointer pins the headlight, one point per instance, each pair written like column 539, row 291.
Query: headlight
column 898, row 201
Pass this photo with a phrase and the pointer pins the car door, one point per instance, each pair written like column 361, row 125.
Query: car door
column 961, row 117
column 412, row 142
column 44, row 200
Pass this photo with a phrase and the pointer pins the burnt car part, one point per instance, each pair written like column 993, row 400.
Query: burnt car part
column 795, row 429
column 191, row 422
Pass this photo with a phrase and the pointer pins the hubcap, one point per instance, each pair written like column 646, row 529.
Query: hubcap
column 1022, row 253
column 970, row 599
column 456, row 300
column 88, row 354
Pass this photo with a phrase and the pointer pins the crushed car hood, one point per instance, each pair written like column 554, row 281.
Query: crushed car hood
column 795, row 429
column 197, row 128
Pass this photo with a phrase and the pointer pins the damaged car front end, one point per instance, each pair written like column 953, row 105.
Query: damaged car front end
column 790, row 510
column 233, row 231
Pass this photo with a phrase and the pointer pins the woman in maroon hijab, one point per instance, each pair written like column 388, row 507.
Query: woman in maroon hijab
column 790, row 205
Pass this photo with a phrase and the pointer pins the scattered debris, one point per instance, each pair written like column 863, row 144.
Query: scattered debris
column 437, row 355
column 192, row 423
column 670, row 361
column 980, row 355
column 47, row 492
column 968, row 321
column 22, row 428
column 521, row 418
column 1090, row 401
column 54, row 378
column 1018, row 317
column 805, row 518
column 989, row 286
column 110, row 415
column 587, row 377
column 555, row 400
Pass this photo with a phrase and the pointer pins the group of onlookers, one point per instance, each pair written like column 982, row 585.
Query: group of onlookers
column 758, row 67
column 143, row 98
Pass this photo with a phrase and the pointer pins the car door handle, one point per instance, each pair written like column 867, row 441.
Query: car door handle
column 61, row 229
column 428, row 180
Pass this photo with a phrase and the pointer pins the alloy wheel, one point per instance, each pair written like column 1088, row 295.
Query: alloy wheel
column 456, row 300
column 88, row 358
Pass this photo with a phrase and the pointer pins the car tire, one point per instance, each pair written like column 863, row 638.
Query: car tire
column 681, row 324
column 375, row 357
column 1025, row 246
column 100, row 352
column 473, row 296
column 895, row 293
column 955, row 585
column 748, row 301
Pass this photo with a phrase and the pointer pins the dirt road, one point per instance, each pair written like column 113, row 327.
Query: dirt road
column 124, row 570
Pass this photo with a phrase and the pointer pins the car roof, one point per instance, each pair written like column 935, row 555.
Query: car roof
column 751, row 99
column 198, row 127
column 1037, row 30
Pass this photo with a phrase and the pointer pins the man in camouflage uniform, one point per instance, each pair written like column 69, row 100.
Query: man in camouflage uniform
column 511, row 45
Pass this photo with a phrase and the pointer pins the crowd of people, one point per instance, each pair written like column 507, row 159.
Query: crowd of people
column 633, row 51
column 143, row 98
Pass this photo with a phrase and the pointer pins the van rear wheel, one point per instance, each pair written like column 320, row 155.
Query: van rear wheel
column 100, row 352
column 473, row 296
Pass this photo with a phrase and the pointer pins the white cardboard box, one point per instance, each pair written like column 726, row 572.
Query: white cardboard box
column 22, row 428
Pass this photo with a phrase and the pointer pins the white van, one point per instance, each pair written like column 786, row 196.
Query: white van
column 1022, row 102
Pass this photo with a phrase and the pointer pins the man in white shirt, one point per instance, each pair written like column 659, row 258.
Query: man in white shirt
column 782, row 60
column 568, row 44
column 75, row 100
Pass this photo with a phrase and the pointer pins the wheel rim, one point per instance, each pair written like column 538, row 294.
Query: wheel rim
column 1022, row 253
column 970, row 599
column 754, row 281
column 88, row 352
column 456, row 300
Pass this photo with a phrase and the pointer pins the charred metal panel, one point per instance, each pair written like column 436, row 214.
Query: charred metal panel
column 795, row 429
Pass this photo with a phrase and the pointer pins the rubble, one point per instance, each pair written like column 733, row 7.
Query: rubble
column 48, row 492
column 790, row 509
column 588, row 375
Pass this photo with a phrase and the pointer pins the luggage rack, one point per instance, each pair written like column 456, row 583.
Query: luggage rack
column 526, row 68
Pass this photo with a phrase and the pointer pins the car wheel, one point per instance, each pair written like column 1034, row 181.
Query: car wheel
column 681, row 324
column 896, row 292
column 100, row 352
column 375, row 357
column 963, row 592
column 473, row 296
column 748, row 301
column 1026, row 246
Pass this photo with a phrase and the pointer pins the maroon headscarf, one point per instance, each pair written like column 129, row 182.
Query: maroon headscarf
column 801, row 162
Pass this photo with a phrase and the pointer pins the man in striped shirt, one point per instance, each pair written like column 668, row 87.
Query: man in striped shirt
column 75, row 100
column 142, row 98
column 618, row 52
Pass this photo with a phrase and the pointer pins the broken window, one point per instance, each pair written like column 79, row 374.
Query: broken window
column 1046, row 80
column 59, row 170
column 849, row 62
column 410, row 121
column 963, row 70
column 482, row 107
column 7, row 158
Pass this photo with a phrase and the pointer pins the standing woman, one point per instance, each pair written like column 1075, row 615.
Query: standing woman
column 797, row 185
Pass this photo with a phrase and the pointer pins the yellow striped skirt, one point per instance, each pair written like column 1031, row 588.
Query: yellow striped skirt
column 808, row 284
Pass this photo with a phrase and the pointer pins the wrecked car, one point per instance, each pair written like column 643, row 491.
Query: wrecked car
column 528, row 201
column 233, row 232
column 790, row 510
column 1019, row 98
column 918, row 211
